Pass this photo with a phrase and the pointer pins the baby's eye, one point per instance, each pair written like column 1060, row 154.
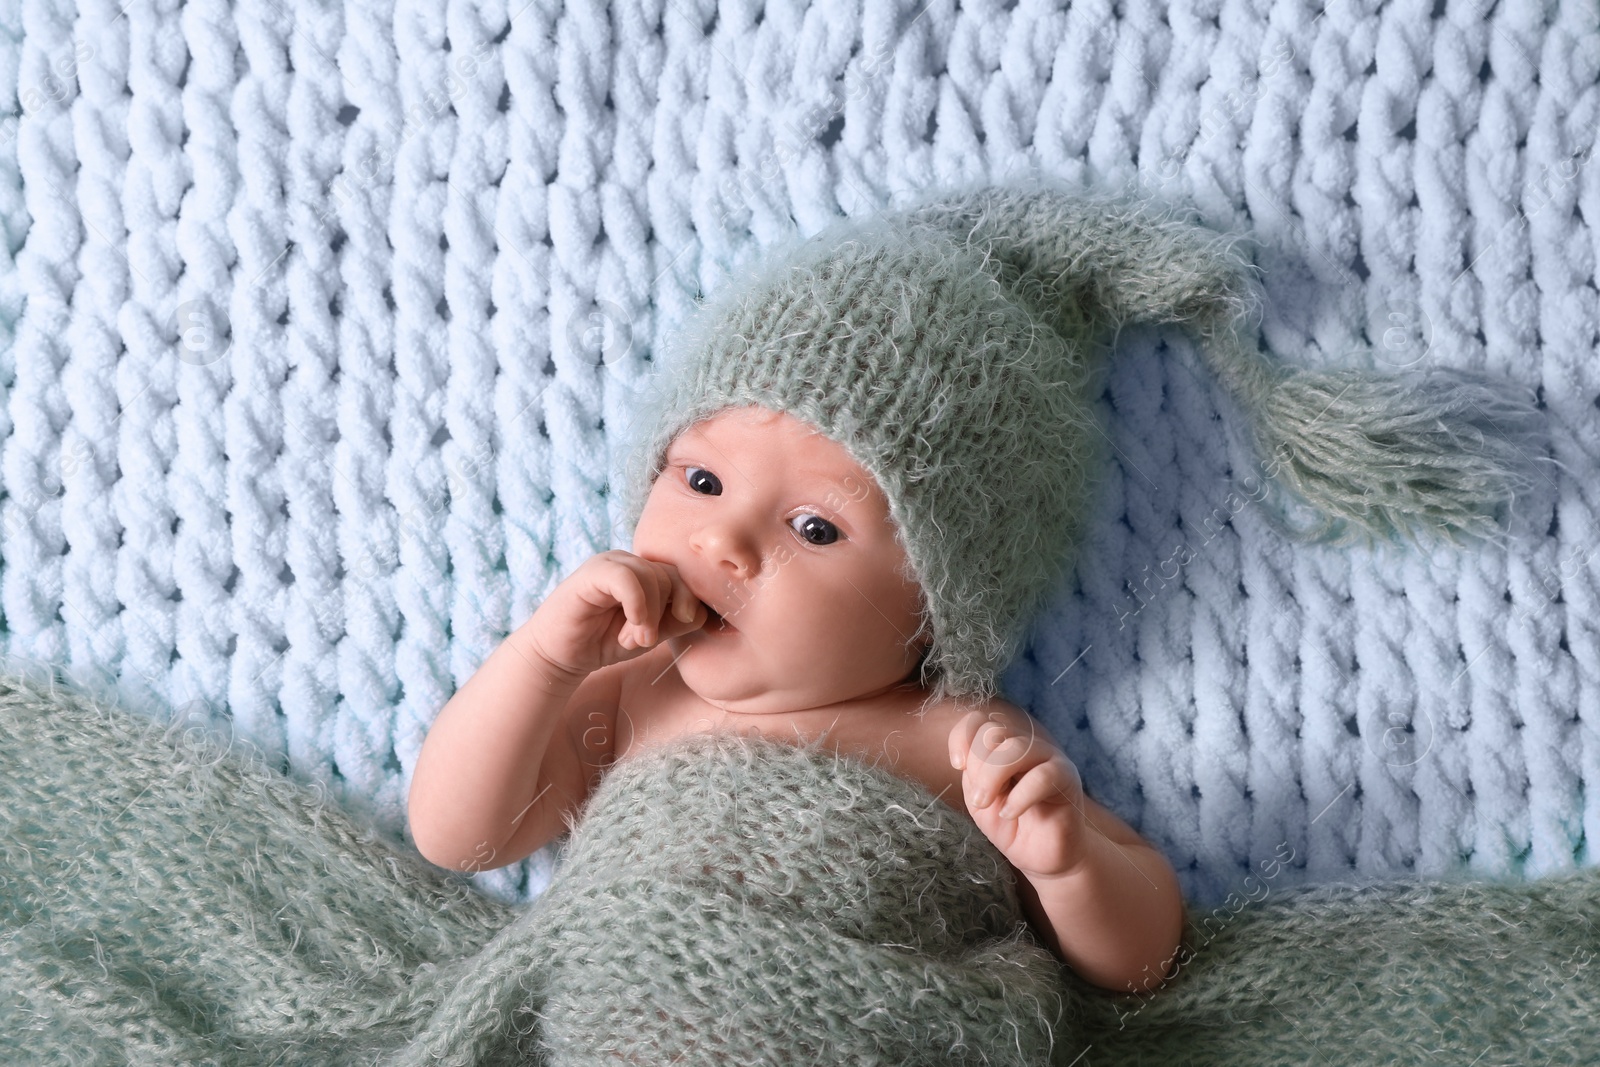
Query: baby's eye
column 703, row 481
column 816, row 529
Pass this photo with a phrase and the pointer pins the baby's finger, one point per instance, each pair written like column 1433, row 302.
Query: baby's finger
column 962, row 734
column 992, row 736
column 1049, row 782
column 989, row 772
column 686, row 607
column 638, row 589
column 621, row 584
column 661, row 582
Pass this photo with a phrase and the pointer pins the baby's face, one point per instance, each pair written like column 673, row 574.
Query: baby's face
column 778, row 528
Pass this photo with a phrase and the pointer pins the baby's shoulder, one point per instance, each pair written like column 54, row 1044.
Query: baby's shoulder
column 915, row 741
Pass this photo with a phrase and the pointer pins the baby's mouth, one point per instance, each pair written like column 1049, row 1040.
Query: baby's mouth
column 715, row 621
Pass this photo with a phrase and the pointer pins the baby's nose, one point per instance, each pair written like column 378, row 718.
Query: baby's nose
column 726, row 543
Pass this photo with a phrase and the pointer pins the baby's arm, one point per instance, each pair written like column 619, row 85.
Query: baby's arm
column 481, row 775
column 1096, row 893
column 497, row 776
column 1116, row 919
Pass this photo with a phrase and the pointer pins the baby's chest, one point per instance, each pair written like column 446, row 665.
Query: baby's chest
column 890, row 736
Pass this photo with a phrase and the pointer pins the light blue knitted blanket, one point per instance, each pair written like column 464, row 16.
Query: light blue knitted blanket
column 320, row 324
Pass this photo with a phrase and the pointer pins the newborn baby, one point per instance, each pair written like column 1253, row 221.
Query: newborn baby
column 868, row 466
column 767, row 592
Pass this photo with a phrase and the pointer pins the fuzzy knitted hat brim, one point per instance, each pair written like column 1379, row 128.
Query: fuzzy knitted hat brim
column 956, row 349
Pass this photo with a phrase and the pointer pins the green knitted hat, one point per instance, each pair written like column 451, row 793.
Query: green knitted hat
column 956, row 349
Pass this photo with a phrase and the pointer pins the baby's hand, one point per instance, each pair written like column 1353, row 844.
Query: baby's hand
column 1022, row 791
column 614, row 607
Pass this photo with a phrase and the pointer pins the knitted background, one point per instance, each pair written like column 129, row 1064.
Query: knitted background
column 320, row 324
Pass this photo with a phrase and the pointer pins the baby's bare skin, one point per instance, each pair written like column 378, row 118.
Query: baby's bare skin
column 768, row 591
column 893, row 729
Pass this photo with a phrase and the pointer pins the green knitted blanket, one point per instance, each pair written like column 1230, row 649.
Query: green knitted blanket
column 723, row 900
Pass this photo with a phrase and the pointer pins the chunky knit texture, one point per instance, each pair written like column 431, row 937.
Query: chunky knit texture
column 956, row 349
column 724, row 900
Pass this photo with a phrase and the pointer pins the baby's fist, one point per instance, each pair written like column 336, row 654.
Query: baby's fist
column 614, row 607
column 1022, row 791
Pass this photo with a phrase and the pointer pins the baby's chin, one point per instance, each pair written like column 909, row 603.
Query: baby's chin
column 730, row 687
column 734, row 682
